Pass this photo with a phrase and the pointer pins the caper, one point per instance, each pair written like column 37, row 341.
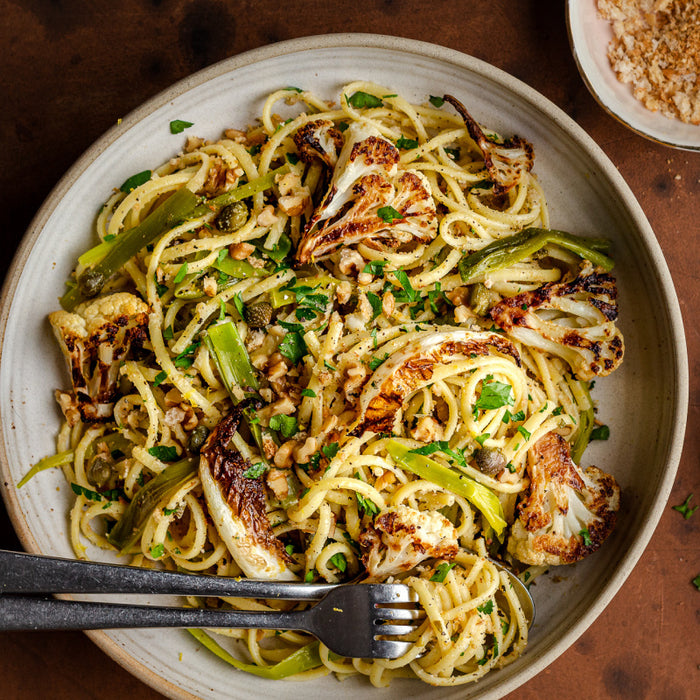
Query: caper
column 197, row 438
column 232, row 217
column 258, row 315
column 90, row 283
column 489, row 460
column 100, row 473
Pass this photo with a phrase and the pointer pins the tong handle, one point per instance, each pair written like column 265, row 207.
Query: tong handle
column 35, row 613
column 30, row 573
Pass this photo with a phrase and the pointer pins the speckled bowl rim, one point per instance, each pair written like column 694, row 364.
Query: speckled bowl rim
column 419, row 48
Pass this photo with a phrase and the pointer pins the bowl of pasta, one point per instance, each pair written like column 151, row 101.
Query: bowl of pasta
column 313, row 316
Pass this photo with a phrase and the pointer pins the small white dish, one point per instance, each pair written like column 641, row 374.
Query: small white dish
column 644, row 402
column 589, row 36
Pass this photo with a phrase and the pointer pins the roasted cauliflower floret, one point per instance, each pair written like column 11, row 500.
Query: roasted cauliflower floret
column 505, row 161
column 568, row 513
column 574, row 320
column 94, row 341
column 416, row 365
column 368, row 198
column 319, row 139
column 402, row 537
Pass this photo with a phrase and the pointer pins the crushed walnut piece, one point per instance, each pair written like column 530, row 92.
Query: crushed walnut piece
column 656, row 50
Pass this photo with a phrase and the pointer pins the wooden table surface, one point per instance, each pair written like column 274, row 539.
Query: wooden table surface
column 68, row 71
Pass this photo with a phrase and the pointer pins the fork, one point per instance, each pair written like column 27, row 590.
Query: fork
column 337, row 618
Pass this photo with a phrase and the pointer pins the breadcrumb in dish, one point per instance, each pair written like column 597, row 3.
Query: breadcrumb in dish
column 656, row 50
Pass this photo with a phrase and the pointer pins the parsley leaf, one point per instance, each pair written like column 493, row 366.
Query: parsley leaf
column 361, row 99
column 408, row 293
column 587, row 541
column 181, row 273
column 493, row 395
column 436, row 101
column 684, row 509
column 377, row 361
column 389, row 214
column 406, row 144
column 91, row 495
column 293, row 347
column 160, row 378
column 177, row 126
column 442, row 571
column 375, row 267
column 286, row 425
column 135, row 181
column 255, row 471
column 602, row 432
column 308, row 392
column 158, row 550
column 338, row 560
column 486, row 608
column 165, row 453
column 375, row 302
column 330, row 450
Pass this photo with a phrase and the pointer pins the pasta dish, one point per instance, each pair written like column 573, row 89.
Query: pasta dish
column 342, row 343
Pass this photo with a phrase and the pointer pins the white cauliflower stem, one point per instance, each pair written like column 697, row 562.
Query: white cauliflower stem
column 573, row 319
column 506, row 162
column 402, row 537
column 568, row 512
column 95, row 341
column 368, row 197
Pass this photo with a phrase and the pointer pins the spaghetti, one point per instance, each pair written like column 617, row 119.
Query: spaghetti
column 296, row 372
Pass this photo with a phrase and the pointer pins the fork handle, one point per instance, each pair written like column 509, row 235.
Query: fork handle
column 33, row 613
column 30, row 573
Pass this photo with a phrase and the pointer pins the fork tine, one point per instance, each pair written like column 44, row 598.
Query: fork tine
column 386, row 630
column 392, row 593
column 387, row 649
column 397, row 613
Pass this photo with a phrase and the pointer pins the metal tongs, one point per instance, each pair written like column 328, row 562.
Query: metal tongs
column 353, row 620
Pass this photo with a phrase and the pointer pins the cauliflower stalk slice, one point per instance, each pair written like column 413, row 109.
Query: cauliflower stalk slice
column 235, row 497
column 368, row 197
column 574, row 320
column 402, row 537
column 567, row 513
column 95, row 340
column 506, row 162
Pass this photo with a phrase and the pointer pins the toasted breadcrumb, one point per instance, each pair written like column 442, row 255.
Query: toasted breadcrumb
column 656, row 50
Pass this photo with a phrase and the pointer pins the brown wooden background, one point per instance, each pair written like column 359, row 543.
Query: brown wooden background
column 69, row 69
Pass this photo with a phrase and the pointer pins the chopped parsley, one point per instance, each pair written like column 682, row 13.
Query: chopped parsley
column 308, row 392
column 165, row 453
column 494, row 394
column 181, row 273
column 158, row 550
column 406, row 144
column 293, row 347
column 91, row 495
column 177, row 126
column 330, row 450
column 255, row 471
column 338, row 560
column 375, row 267
column 684, row 509
column 525, row 433
column 436, row 101
column 389, row 214
column 407, row 293
column 442, row 570
column 486, row 608
column 375, row 302
column 587, row 541
column 135, row 181
column 377, row 361
column 285, row 425
column 160, row 378
column 602, row 432
column 361, row 99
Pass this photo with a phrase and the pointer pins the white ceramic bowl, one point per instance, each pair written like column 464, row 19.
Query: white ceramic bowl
column 589, row 36
column 644, row 402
